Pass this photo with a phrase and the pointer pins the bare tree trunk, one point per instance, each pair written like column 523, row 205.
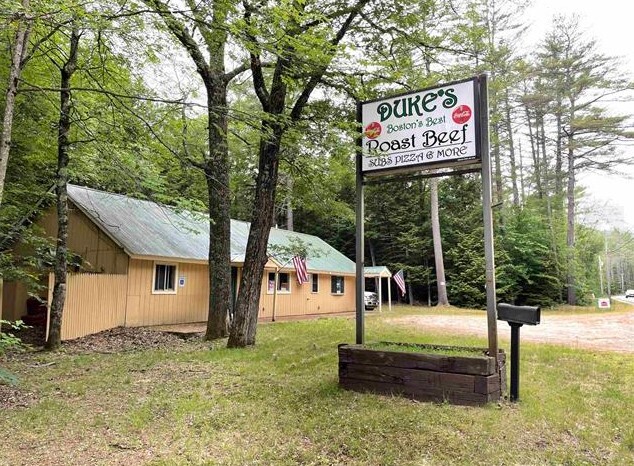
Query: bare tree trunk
column 17, row 60
column 373, row 262
column 499, row 185
column 438, row 256
column 570, row 234
column 289, row 205
column 521, row 167
column 217, row 175
column 244, row 325
column 54, row 339
column 533, row 138
column 509, row 130
column 559, row 156
column 545, row 169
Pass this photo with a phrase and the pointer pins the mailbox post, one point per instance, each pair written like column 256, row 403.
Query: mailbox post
column 516, row 316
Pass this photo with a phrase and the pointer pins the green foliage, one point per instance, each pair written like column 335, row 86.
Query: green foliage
column 284, row 253
column 532, row 263
column 8, row 341
column 153, row 149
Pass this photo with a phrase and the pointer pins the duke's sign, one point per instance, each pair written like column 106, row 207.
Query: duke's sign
column 428, row 127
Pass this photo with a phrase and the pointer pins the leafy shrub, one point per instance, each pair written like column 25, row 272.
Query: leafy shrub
column 7, row 341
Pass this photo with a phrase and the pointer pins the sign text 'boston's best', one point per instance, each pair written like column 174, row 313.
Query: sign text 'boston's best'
column 426, row 127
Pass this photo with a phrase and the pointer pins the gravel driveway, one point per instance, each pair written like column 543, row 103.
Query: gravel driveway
column 610, row 331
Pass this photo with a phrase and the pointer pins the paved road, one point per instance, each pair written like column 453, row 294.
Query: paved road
column 623, row 299
column 611, row 331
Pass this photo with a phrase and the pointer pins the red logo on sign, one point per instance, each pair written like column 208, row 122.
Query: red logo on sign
column 373, row 130
column 461, row 114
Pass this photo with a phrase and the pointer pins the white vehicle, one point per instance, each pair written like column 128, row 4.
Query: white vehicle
column 629, row 294
column 370, row 300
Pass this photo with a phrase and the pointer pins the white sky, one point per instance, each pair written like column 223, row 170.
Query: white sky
column 609, row 22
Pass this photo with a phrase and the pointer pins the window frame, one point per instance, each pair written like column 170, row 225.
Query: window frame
column 174, row 278
column 279, row 283
column 332, row 283
column 313, row 283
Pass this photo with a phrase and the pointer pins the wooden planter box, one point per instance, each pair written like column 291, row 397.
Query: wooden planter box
column 431, row 376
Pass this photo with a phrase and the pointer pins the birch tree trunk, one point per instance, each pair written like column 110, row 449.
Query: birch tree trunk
column 509, row 131
column 17, row 58
column 438, row 255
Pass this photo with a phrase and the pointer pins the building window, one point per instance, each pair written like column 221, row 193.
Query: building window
column 283, row 282
column 336, row 284
column 314, row 282
column 164, row 278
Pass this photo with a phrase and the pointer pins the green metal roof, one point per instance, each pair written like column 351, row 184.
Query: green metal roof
column 145, row 228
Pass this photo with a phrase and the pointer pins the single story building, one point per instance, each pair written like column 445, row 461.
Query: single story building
column 141, row 263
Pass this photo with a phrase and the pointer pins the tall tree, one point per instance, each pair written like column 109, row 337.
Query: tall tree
column 299, row 37
column 18, row 54
column 438, row 256
column 67, row 69
column 202, row 29
column 585, row 131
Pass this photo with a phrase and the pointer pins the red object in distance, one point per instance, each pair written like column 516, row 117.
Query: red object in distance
column 461, row 114
column 373, row 130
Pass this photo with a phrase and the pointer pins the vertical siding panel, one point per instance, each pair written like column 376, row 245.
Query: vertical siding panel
column 94, row 302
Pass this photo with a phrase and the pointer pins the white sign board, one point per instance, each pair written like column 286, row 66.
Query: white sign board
column 604, row 303
column 181, row 281
column 428, row 127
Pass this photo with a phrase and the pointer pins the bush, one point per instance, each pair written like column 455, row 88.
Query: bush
column 7, row 341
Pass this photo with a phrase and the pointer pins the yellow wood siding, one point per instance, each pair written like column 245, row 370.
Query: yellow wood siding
column 301, row 301
column 188, row 304
column 94, row 302
column 14, row 301
column 86, row 239
column 99, row 252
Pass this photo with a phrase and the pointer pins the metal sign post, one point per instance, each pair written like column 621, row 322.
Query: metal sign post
column 360, row 279
column 489, row 254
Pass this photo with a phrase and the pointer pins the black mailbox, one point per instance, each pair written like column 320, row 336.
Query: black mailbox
column 519, row 314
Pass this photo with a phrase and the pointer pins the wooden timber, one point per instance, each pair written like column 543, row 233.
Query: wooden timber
column 470, row 380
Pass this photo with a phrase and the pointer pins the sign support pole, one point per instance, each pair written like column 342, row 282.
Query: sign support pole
column 360, row 279
column 488, row 217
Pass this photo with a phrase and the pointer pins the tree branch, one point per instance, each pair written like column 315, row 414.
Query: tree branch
column 302, row 100
column 36, row 88
column 259, row 84
column 185, row 38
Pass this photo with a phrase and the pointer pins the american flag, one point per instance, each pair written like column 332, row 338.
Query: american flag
column 300, row 268
column 400, row 281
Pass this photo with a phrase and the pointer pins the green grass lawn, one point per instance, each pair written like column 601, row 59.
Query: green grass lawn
column 279, row 403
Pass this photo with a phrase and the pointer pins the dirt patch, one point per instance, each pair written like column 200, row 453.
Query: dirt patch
column 15, row 397
column 609, row 332
column 124, row 339
column 116, row 340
